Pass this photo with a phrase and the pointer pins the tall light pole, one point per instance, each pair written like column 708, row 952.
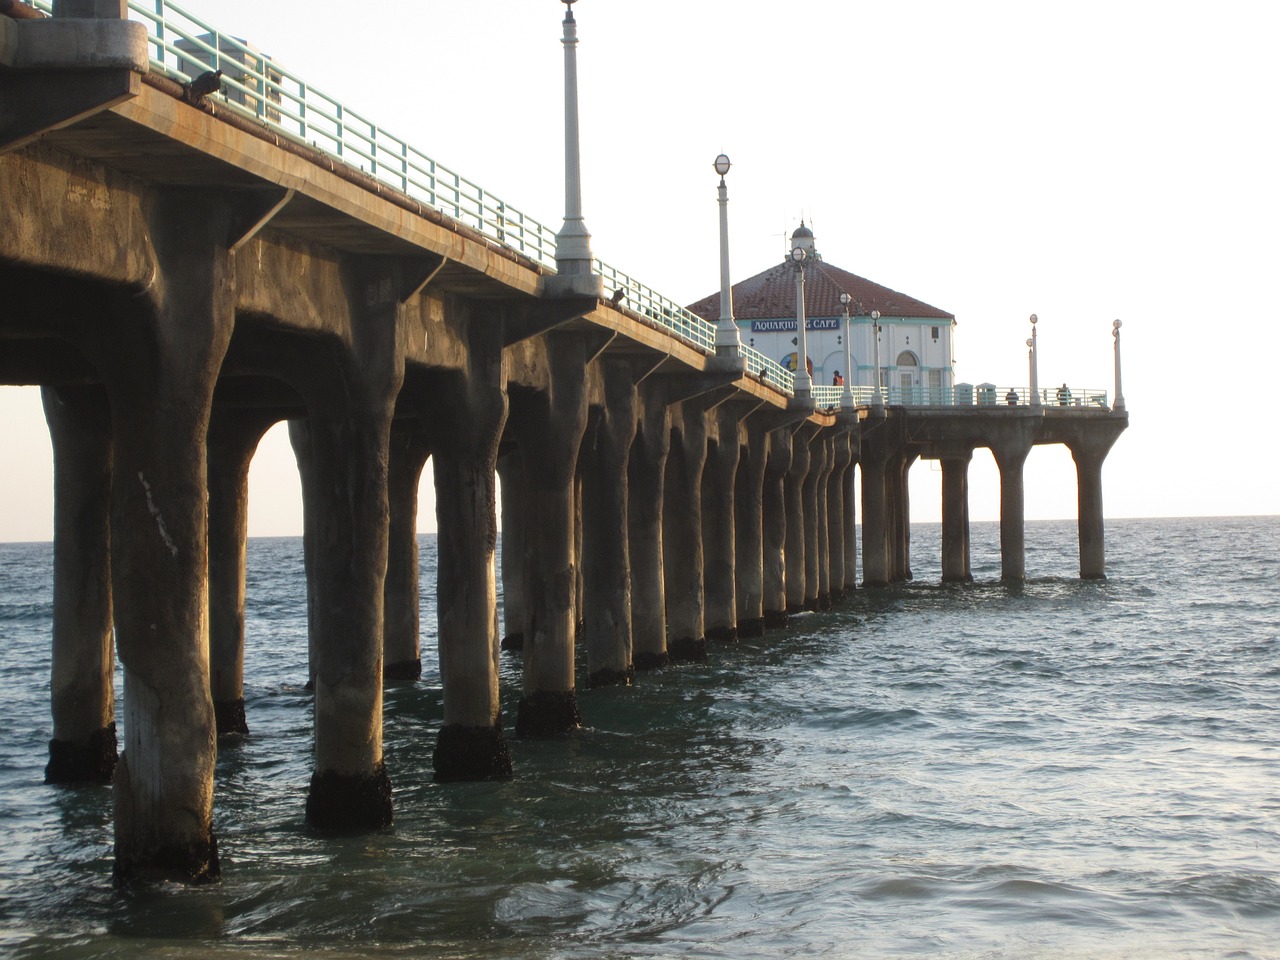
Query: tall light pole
column 573, row 242
column 1032, row 359
column 877, row 398
column 1118, row 406
column 846, row 397
column 803, row 382
column 728, row 339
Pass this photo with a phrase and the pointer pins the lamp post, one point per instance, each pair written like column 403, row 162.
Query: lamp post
column 728, row 339
column 1032, row 359
column 803, row 382
column 573, row 242
column 1118, row 406
column 846, row 396
column 877, row 398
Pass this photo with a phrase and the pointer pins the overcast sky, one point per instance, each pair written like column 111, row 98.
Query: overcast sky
column 1083, row 162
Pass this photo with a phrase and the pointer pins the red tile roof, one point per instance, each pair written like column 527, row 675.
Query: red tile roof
column 772, row 295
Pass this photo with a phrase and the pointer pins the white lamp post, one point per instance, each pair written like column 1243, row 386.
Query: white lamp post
column 573, row 242
column 1032, row 359
column 728, row 339
column 803, row 382
column 846, row 396
column 1118, row 406
column 877, row 398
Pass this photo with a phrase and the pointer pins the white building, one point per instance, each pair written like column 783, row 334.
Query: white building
column 916, row 359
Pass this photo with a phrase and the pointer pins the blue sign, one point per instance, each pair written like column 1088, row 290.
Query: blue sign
column 788, row 326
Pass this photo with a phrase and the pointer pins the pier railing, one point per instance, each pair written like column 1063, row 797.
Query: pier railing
column 964, row 395
column 183, row 46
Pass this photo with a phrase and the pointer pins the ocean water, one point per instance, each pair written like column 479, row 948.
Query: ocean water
column 1055, row 769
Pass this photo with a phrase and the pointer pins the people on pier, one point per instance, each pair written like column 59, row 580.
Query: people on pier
column 837, row 380
column 1064, row 396
column 1012, row 397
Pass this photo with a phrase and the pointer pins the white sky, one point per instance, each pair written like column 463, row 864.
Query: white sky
column 1082, row 162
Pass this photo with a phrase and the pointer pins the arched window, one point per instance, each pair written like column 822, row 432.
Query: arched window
column 907, row 359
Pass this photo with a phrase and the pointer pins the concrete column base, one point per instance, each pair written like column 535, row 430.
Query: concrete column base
column 92, row 760
column 545, row 714
column 195, row 863
column 774, row 619
column 607, row 677
column 688, row 650
column 751, row 628
column 722, row 634
column 470, row 754
column 347, row 804
column 229, row 717
column 406, row 671
column 652, row 661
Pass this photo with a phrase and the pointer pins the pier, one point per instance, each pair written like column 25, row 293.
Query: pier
column 182, row 268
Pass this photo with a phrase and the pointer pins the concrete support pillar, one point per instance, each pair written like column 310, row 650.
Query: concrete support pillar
column 348, row 515
column 955, row 518
column 719, row 541
column 797, row 529
column 401, row 649
column 682, row 534
column 550, row 429
column 748, row 532
column 83, row 748
column 308, row 479
column 849, row 493
column 875, row 519
column 899, row 488
column 1010, row 458
column 1093, row 560
column 646, row 481
column 841, row 461
column 817, row 573
column 160, row 371
column 606, row 563
column 511, row 473
column 774, row 525
column 233, row 438
column 472, row 413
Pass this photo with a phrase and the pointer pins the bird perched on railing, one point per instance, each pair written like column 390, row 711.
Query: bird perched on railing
column 618, row 296
column 196, row 90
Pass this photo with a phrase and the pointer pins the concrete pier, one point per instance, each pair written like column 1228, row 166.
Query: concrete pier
column 774, row 505
column 955, row 516
column 233, row 437
column 401, row 654
column 797, row 530
column 548, row 427
column 682, row 533
column 606, row 562
column 468, row 425
column 83, row 748
column 178, row 277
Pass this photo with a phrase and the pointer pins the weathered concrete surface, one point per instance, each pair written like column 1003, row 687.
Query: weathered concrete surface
column 401, row 653
column 548, row 426
column 682, row 533
column 797, row 529
column 775, row 526
column 955, row 516
column 83, row 748
column 233, row 437
column 719, row 535
column 646, row 482
column 606, row 561
column 472, row 413
column 749, row 532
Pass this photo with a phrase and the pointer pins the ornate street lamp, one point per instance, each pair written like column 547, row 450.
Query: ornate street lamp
column 1118, row 406
column 803, row 382
column 728, row 339
column 1033, row 360
column 877, row 398
column 846, row 397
